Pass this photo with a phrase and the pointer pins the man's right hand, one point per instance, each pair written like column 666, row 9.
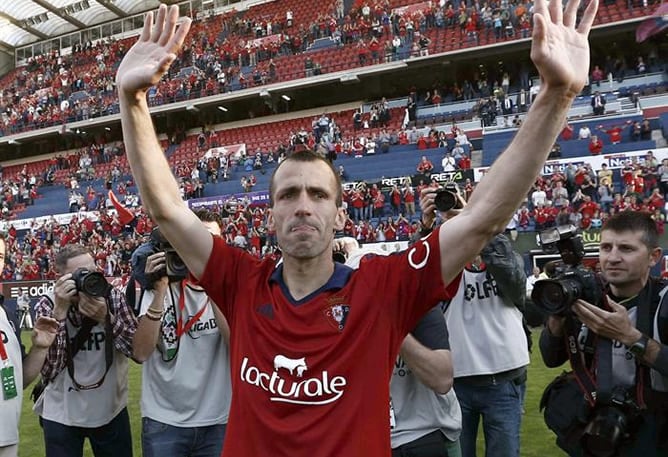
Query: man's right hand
column 428, row 206
column 559, row 50
column 156, row 267
column 65, row 295
column 150, row 57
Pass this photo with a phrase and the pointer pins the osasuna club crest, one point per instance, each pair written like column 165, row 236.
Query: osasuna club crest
column 337, row 314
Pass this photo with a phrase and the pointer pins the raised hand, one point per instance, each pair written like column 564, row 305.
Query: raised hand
column 559, row 50
column 44, row 332
column 151, row 56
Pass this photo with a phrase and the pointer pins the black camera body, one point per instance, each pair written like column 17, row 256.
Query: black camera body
column 91, row 282
column 175, row 269
column 339, row 257
column 447, row 198
column 611, row 425
column 572, row 280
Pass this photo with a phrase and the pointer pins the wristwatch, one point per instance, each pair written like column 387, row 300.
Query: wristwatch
column 638, row 348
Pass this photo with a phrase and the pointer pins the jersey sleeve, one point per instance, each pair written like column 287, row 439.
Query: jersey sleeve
column 226, row 272
column 410, row 281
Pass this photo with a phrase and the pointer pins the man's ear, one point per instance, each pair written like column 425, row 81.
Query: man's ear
column 340, row 220
column 655, row 256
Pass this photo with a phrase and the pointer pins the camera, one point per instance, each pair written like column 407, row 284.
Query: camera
column 572, row 280
column 612, row 424
column 448, row 197
column 91, row 282
column 339, row 257
column 175, row 269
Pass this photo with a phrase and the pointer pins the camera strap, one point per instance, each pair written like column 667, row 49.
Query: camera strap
column 604, row 370
column 583, row 376
column 647, row 303
column 181, row 327
column 172, row 326
column 74, row 346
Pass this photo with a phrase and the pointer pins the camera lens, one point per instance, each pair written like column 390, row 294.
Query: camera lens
column 555, row 296
column 445, row 200
column 94, row 284
column 176, row 269
column 339, row 257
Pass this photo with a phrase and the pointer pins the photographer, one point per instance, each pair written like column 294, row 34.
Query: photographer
column 489, row 347
column 182, row 341
column 635, row 326
column 86, row 367
column 23, row 307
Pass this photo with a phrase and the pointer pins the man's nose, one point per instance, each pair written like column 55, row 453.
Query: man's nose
column 613, row 255
column 304, row 203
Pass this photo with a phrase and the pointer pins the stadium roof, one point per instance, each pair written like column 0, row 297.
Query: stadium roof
column 26, row 21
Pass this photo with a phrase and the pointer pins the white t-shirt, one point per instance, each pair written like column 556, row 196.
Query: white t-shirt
column 538, row 197
column 584, row 133
column 448, row 163
column 486, row 334
column 194, row 388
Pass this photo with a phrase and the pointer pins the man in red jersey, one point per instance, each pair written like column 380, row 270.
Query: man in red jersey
column 313, row 344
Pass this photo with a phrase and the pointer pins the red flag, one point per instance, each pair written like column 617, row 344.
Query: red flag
column 655, row 24
column 125, row 216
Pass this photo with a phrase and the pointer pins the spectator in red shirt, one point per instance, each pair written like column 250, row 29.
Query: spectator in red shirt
column 425, row 166
column 588, row 207
column 540, row 215
column 567, row 132
column 615, row 132
column 464, row 162
column 595, row 145
column 395, row 200
column 409, row 198
column 656, row 199
column 628, row 174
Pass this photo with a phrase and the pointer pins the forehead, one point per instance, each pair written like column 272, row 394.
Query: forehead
column 627, row 237
column 83, row 260
column 304, row 174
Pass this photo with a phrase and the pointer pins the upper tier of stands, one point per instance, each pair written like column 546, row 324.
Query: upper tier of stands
column 32, row 96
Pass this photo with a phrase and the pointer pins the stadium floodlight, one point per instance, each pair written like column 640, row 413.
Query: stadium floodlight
column 286, row 98
column 222, row 108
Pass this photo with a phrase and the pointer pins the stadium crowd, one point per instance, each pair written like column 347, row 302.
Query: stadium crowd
column 54, row 88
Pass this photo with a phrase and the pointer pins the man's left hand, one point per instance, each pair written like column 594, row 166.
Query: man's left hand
column 93, row 307
column 44, row 332
column 614, row 324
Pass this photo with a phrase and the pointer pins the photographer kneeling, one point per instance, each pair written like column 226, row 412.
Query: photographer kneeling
column 616, row 350
column 86, row 369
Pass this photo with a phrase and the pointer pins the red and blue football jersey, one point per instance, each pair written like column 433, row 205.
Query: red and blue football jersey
column 311, row 377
